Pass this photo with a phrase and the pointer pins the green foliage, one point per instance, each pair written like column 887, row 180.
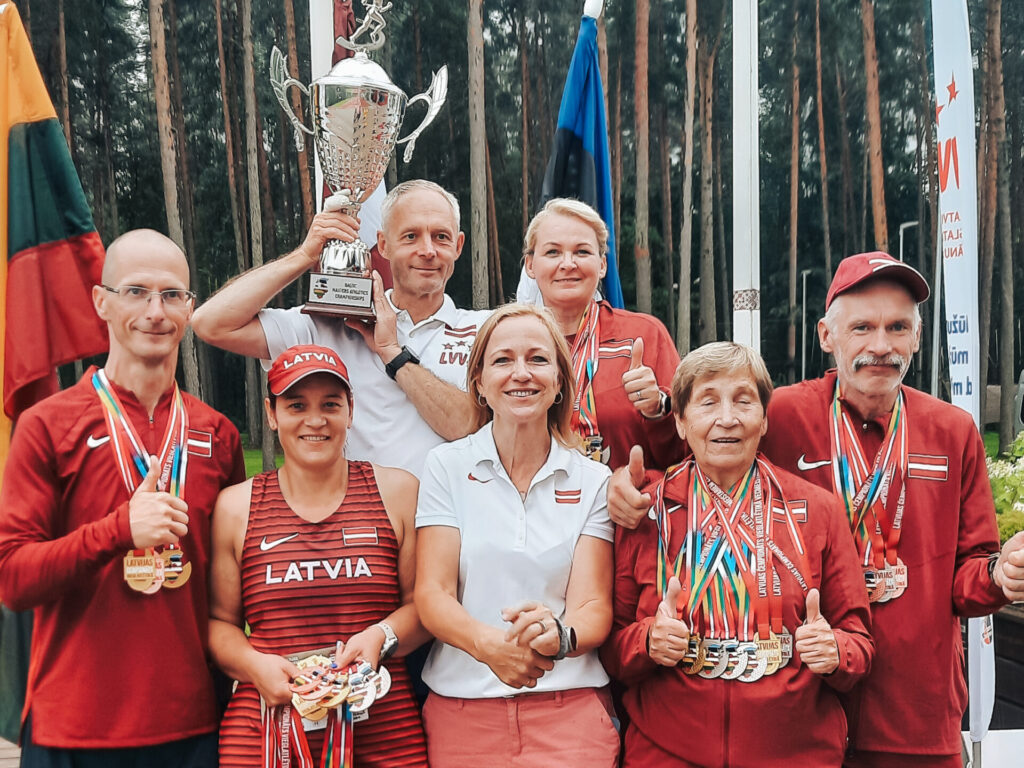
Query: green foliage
column 1007, row 478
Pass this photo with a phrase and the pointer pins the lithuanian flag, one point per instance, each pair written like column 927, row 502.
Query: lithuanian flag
column 53, row 253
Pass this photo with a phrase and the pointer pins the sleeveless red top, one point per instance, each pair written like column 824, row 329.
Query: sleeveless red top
column 307, row 585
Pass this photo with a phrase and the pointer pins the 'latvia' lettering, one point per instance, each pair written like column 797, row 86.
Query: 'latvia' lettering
column 310, row 570
column 304, row 356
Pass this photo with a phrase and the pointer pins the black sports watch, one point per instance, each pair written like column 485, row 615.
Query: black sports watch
column 403, row 357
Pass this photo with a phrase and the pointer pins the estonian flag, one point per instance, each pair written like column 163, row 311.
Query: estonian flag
column 579, row 166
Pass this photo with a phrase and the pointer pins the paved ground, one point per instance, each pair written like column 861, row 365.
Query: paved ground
column 8, row 755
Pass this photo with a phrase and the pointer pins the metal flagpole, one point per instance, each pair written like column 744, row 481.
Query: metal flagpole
column 746, row 228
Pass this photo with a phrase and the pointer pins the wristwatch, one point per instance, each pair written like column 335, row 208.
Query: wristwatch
column 403, row 357
column 390, row 640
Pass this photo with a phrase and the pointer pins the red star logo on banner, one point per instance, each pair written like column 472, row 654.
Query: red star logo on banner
column 938, row 111
column 951, row 88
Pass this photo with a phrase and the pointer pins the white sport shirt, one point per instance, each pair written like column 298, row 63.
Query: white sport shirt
column 512, row 550
column 386, row 427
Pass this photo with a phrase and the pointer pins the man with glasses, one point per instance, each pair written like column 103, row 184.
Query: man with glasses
column 105, row 533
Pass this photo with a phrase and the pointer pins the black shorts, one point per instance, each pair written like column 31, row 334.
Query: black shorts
column 194, row 752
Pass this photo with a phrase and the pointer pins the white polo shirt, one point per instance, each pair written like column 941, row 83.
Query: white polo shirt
column 512, row 549
column 386, row 427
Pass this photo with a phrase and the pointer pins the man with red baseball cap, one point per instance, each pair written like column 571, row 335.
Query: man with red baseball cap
column 910, row 471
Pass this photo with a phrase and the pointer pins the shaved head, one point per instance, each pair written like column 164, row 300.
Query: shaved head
column 139, row 246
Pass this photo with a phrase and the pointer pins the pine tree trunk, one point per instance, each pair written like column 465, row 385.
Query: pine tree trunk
column 725, row 285
column 305, row 179
column 602, row 58
column 266, row 201
column 822, row 158
column 794, row 202
column 477, row 152
column 988, row 170
column 62, row 63
column 524, row 82
column 168, row 166
column 874, row 117
column 616, row 150
column 181, row 145
column 665, row 168
column 495, row 289
column 686, row 210
column 641, row 243
column 707, row 326
column 997, row 116
column 252, row 173
column 847, row 209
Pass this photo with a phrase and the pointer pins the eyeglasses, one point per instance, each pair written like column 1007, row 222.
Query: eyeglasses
column 176, row 298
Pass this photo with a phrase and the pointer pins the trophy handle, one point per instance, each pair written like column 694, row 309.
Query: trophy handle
column 280, row 81
column 434, row 97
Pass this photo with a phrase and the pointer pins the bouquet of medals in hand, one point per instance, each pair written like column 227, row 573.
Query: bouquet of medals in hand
column 323, row 686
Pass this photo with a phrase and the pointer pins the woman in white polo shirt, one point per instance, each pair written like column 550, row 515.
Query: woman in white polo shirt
column 514, row 573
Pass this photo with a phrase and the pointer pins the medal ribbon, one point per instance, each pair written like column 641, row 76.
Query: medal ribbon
column 130, row 453
column 284, row 740
column 866, row 493
column 585, row 355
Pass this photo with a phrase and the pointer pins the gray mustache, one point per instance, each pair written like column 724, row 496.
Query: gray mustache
column 895, row 360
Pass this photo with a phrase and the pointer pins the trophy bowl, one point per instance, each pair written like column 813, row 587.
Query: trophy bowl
column 357, row 114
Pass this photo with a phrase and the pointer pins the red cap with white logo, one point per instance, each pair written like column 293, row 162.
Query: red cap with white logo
column 858, row 269
column 302, row 360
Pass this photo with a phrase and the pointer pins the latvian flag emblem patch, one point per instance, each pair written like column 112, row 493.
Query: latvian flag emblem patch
column 362, row 535
column 568, row 497
column 927, row 467
column 461, row 333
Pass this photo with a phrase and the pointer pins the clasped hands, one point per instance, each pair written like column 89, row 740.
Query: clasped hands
column 520, row 656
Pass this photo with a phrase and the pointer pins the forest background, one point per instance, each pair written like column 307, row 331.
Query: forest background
column 168, row 109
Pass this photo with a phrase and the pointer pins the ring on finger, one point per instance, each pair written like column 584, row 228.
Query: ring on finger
column 543, row 626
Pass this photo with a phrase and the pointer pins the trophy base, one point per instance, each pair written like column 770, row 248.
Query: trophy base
column 340, row 295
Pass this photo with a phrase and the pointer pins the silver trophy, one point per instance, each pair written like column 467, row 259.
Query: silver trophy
column 357, row 115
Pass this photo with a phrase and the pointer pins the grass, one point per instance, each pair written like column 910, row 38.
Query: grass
column 254, row 461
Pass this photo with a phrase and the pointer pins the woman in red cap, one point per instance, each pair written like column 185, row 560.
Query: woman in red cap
column 319, row 551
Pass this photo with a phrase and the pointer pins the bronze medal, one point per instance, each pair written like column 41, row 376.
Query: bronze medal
column 900, row 576
column 176, row 570
column 140, row 569
column 875, row 583
column 693, row 661
column 158, row 576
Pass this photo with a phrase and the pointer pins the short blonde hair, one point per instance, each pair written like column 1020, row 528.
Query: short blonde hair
column 716, row 358
column 566, row 206
column 560, row 412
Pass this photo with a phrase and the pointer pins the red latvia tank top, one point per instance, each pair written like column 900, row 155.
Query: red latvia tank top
column 307, row 585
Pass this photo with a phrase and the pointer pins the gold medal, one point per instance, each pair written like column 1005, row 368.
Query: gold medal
column 786, row 641
column 771, row 649
column 693, row 661
column 140, row 569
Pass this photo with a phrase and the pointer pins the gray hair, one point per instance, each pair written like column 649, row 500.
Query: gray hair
column 831, row 317
column 413, row 185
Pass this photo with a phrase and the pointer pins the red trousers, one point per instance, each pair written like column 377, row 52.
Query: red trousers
column 568, row 729
column 863, row 759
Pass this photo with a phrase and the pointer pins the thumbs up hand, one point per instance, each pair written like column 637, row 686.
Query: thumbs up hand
column 626, row 505
column 668, row 637
column 814, row 639
column 155, row 518
column 1008, row 573
column 640, row 384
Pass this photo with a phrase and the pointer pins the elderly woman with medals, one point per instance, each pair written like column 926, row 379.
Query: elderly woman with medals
column 515, row 574
column 740, row 611
column 621, row 361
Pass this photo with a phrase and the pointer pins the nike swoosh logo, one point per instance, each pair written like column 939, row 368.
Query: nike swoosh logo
column 477, row 479
column 268, row 545
column 96, row 442
column 803, row 465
